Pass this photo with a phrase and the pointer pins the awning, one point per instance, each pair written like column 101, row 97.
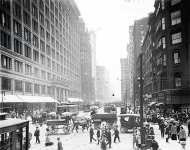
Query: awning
column 152, row 103
column 37, row 99
column 74, row 100
column 11, row 99
column 159, row 104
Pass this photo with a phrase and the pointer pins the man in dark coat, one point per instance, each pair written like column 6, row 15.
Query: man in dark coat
column 92, row 134
column 188, row 124
column 37, row 135
column 108, row 133
column 98, row 135
column 162, row 126
column 116, row 135
column 154, row 144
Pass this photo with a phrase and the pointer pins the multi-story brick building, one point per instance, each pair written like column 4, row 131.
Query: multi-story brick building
column 169, row 34
column 40, row 48
column 171, row 54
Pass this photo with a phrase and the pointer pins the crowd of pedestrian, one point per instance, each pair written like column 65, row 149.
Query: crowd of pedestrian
column 173, row 129
column 148, row 138
column 104, row 136
column 172, row 125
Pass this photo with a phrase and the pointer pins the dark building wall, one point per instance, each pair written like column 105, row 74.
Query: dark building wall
column 170, row 74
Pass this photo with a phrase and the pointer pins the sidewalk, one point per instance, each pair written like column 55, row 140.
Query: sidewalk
column 172, row 145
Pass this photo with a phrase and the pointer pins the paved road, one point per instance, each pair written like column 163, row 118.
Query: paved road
column 79, row 141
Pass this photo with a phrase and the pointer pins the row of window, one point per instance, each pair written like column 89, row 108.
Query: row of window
column 162, row 60
column 17, row 27
column 27, row 37
column 177, row 82
column 21, row 86
column 162, row 3
column 175, row 19
column 6, row 62
column 5, row 42
column 26, row 15
column 176, row 38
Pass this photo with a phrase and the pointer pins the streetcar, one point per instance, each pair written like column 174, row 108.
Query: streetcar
column 110, row 109
column 67, row 107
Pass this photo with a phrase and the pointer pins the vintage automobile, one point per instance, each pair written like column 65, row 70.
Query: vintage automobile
column 128, row 122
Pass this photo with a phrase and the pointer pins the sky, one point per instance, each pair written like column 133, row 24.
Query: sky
column 110, row 19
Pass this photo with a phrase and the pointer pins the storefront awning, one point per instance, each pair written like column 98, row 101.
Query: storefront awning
column 37, row 99
column 74, row 100
column 159, row 104
column 11, row 99
column 151, row 104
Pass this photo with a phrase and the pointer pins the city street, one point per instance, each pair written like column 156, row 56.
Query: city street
column 103, row 65
column 80, row 141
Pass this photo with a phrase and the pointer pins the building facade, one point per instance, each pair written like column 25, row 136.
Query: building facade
column 171, row 71
column 124, row 81
column 87, row 84
column 130, row 65
column 40, row 48
column 102, row 84
column 93, row 49
column 147, row 50
column 166, row 54
column 139, row 31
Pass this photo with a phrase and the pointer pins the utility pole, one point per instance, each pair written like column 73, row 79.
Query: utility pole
column 141, row 99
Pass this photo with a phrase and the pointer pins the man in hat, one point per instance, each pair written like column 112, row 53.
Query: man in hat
column 98, row 134
column 37, row 135
column 109, row 137
column 92, row 134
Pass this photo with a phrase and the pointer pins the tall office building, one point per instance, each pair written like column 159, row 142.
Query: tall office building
column 124, row 81
column 130, row 65
column 93, row 49
column 40, row 48
column 87, row 84
column 102, row 84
